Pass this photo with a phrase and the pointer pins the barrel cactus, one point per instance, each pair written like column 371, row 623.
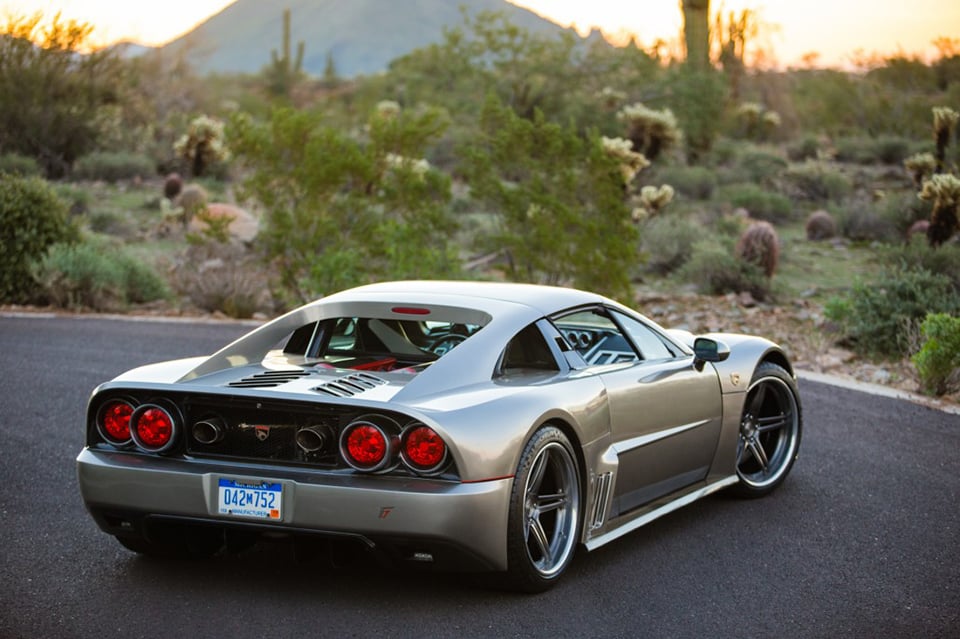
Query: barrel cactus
column 760, row 245
column 820, row 226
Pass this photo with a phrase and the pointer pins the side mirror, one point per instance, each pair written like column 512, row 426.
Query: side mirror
column 709, row 350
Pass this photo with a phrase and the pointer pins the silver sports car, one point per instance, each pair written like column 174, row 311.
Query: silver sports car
column 473, row 426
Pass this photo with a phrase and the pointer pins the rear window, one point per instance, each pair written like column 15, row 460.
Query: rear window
column 368, row 343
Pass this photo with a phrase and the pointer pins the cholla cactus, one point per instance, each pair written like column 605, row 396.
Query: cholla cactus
column 653, row 199
column 387, row 109
column 757, row 122
column 760, row 245
column 202, row 145
column 610, row 98
column 944, row 191
column 944, row 122
column 652, row 132
column 419, row 167
column 631, row 162
column 920, row 166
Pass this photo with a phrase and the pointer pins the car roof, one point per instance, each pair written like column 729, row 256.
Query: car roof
column 544, row 299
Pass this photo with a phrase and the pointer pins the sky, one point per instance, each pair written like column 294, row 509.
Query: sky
column 839, row 31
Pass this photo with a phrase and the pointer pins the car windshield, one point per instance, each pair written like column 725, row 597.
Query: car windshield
column 376, row 344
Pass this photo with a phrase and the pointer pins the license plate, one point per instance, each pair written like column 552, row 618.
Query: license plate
column 246, row 498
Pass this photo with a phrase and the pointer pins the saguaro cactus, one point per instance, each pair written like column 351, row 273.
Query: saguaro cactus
column 284, row 70
column 696, row 32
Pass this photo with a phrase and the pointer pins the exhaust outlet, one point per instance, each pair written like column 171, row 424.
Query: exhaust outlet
column 312, row 438
column 209, row 431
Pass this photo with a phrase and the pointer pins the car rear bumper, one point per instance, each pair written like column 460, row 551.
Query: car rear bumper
column 464, row 523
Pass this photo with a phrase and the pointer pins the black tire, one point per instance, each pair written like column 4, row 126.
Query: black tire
column 175, row 543
column 543, row 527
column 770, row 429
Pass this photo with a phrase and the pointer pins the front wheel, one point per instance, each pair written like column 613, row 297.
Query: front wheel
column 545, row 514
column 770, row 430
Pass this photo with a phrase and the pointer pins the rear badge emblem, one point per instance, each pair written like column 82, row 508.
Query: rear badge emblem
column 262, row 432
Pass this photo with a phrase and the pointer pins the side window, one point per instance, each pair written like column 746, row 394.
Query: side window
column 651, row 345
column 528, row 350
column 596, row 337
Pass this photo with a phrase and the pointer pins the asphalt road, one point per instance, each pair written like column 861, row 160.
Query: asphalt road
column 863, row 540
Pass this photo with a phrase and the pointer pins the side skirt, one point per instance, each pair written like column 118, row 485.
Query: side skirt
column 648, row 516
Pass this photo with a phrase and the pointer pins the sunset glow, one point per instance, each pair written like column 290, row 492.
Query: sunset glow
column 837, row 31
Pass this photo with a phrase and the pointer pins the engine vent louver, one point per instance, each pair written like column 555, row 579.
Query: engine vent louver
column 350, row 385
column 599, row 514
column 269, row 379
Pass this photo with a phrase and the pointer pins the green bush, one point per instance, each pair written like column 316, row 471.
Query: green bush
column 113, row 166
column 814, row 182
column 884, row 149
column 806, row 148
column 32, row 218
column 715, row 271
column 760, row 203
column 88, row 276
column 856, row 149
column 668, row 242
column 938, row 361
column 761, row 166
column 695, row 182
column 877, row 318
column 867, row 222
column 16, row 164
column 918, row 255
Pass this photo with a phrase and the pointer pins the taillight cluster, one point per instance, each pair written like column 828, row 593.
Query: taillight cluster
column 376, row 443
column 152, row 426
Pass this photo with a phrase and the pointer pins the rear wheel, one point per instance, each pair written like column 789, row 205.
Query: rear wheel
column 770, row 430
column 545, row 513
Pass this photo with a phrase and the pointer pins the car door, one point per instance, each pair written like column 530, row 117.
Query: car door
column 665, row 413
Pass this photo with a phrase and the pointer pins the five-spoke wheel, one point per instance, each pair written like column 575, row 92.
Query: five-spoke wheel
column 545, row 512
column 770, row 430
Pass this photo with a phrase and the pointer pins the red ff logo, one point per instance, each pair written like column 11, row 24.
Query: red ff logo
column 385, row 512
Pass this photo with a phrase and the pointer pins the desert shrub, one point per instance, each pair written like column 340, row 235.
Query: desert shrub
column 867, row 222
column 759, row 245
column 856, row 149
column 77, row 199
column 172, row 185
column 902, row 210
column 113, row 166
column 938, row 361
column 815, row 182
column 892, row 149
column 217, row 278
column 806, row 148
column 760, row 203
column 877, row 317
column 111, row 223
column 87, row 276
column 695, row 182
column 760, row 166
column 16, row 164
column 32, row 218
column 820, row 226
column 668, row 242
column 918, row 255
column 715, row 270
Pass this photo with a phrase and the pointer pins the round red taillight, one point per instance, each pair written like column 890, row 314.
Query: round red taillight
column 423, row 449
column 365, row 446
column 113, row 421
column 152, row 428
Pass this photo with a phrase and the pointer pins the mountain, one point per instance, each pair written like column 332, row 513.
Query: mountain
column 363, row 36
